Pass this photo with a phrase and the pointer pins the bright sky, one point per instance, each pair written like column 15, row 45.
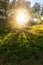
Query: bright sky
column 33, row 1
column 11, row 1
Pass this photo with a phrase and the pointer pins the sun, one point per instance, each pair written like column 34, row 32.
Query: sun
column 21, row 16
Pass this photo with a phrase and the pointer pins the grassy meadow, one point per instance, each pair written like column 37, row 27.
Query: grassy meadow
column 21, row 47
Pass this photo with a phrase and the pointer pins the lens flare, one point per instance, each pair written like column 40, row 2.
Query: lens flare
column 21, row 16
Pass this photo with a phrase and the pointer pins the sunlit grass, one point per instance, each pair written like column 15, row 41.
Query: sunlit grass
column 36, row 28
column 22, row 45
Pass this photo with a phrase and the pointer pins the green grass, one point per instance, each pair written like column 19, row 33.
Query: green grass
column 21, row 47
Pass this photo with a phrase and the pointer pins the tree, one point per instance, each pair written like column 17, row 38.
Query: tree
column 36, row 9
column 4, row 6
column 42, row 10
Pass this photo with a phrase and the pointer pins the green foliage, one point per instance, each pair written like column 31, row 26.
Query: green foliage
column 4, row 7
column 21, row 47
column 37, row 7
